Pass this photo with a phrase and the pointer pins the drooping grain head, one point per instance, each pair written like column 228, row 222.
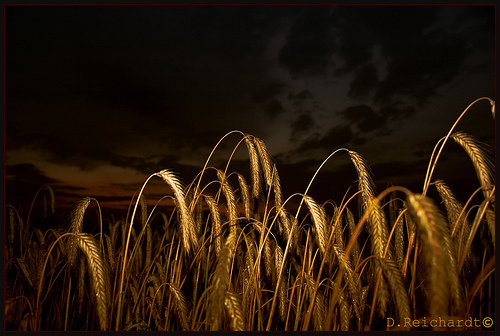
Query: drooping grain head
column 187, row 225
column 76, row 226
column 430, row 227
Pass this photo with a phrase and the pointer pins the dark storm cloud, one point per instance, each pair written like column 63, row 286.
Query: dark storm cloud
column 420, row 51
column 299, row 99
column 395, row 112
column 22, row 182
column 419, row 73
column 365, row 80
column 363, row 117
column 399, row 169
column 309, row 45
column 274, row 108
column 27, row 173
column 62, row 150
column 421, row 58
column 167, row 70
column 302, row 124
column 336, row 137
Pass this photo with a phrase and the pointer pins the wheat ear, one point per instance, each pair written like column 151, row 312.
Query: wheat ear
column 319, row 220
column 220, row 282
column 394, row 278
column 180, row 305
column 283, row 221
column 100, row 279
column 216, row 223
column 377, row 223
column 453, row 211
column 351, row 224
column 234, row 309
column 187, row 225
column 254, row 164
column 430, row 228
column 484, row 170
column 232, row 205
column 482, row 164
column 319, row 308
column 278, row 257
column 245, row 196
column 76, row 226
column 265, row 160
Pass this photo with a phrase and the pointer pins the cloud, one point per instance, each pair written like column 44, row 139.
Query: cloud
column 394, row 112
column 301, row 125
column 338, row 136
column 298, row 99
column 365, row 80
column 419, row 47
column 309, row 44
column 363, row 116
column 28, row 173
column 273, row 109
column 420, row 73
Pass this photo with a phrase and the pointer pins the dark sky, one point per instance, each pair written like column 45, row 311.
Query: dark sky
column 97, row 98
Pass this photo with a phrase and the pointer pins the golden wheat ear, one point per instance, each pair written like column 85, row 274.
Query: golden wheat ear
column 187, row 225
column 254, row 165
column 76, row 227
column 441, row 276
column 484, row 170
column 98, row 273
column 234, row 309
column 232, row 205
column 221, row 282
column 319, row 220
column 482, row 164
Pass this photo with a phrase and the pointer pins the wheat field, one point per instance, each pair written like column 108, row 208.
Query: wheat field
column 237, row 259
